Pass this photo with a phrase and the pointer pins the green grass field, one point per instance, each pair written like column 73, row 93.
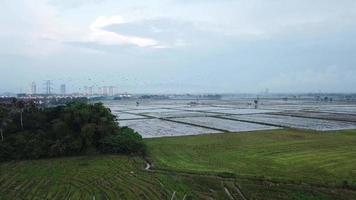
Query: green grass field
column 100, row 177
column 285, row 155
column 267, row 165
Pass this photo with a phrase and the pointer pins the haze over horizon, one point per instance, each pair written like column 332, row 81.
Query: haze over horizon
column 180, row 46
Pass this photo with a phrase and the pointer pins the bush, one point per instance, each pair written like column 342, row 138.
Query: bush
column 124, row 141
column 345, row 184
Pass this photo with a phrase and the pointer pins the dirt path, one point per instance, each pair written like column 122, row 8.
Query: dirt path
column 173, row 195
column 184, row 196
column 240, row 193
column 228, row 193
column 149, row 165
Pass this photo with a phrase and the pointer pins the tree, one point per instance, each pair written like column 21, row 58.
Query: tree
column 21, row 106
column 18, row 107
column 87, row 133
column 5, row 120
column 62, row 131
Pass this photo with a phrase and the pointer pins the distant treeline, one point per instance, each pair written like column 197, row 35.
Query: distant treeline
column 45, row 101
column 30, row 132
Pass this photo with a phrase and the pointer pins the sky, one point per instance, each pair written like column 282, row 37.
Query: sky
column 179, row 46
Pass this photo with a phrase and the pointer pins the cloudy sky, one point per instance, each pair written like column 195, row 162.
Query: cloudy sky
column 179, row 46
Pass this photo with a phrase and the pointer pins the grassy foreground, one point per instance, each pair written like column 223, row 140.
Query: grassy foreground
column 283, row 155
column 267, row 165
column 99, row 177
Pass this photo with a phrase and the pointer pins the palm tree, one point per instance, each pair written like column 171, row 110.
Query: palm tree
column 4, row 123
column 21, row 106
column 18, row 107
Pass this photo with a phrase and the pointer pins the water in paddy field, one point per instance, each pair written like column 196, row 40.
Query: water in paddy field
column 161, row 118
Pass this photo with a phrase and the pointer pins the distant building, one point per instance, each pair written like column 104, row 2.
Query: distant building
column 85, row 91
column 266, row 91
column 111, row 90
column 90, row 91
column 48, row 87
column 63, row 89
column 33, row 88
column 100, row 90
column 105, row 91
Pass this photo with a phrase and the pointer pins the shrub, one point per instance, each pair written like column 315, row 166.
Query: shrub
column 124, row 141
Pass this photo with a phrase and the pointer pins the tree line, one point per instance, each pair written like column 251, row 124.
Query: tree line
column 30, row 132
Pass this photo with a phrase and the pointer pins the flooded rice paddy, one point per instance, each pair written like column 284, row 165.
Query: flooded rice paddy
column 160, row 118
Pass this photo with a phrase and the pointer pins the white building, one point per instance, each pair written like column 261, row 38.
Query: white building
column 33, row 88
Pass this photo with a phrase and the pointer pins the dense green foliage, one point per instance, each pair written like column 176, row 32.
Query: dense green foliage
column 294, row 156
column 127, row 141
column 29, row 132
